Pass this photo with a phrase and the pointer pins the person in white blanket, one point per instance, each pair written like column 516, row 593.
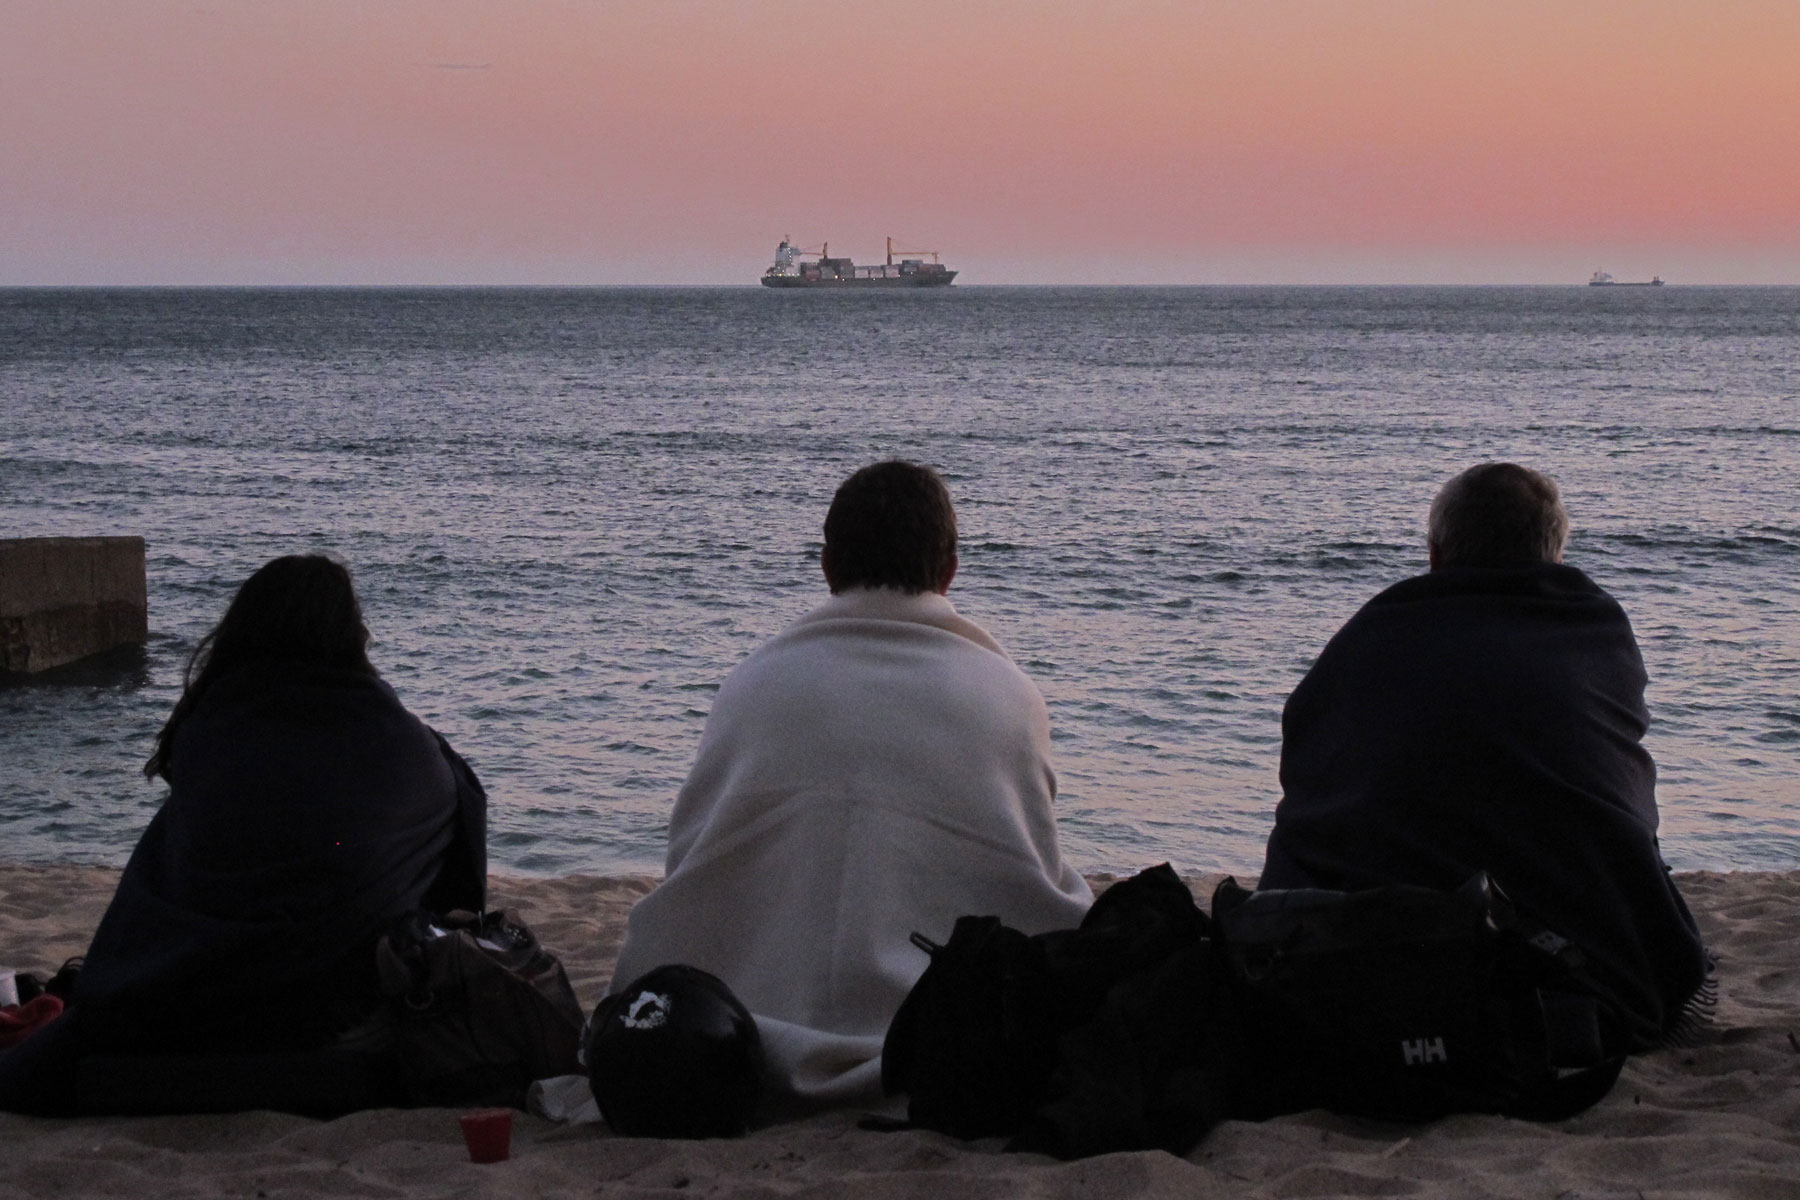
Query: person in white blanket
column 879, row 767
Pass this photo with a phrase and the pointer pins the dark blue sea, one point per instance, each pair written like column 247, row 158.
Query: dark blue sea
column 570, row 512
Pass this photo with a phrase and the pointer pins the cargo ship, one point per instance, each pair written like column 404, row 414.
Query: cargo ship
column 791, row 271
column 1602, row 279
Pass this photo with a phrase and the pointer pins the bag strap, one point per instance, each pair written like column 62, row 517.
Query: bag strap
column 1570, row 1093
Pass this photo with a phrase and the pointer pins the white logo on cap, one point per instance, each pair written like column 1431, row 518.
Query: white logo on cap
column 648, row 1011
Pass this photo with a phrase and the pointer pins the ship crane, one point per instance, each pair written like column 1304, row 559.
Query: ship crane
column 904, row 253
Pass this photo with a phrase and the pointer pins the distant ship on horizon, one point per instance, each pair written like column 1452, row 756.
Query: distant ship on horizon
column 789, row 271
column 1602, row 279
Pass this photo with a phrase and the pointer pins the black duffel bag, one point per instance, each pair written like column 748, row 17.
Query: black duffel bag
column 1408, row 1003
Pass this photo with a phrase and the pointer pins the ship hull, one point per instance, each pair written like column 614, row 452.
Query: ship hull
column 935, row 279
column 1628, row 283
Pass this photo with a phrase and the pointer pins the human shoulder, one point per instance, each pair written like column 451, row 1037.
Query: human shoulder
column 894, row 635
column 1474, row 606
column 890, row 611
column 261, row 699
column 1542, row 582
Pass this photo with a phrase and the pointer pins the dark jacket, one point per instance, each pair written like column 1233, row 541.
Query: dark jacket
column 1492, row 719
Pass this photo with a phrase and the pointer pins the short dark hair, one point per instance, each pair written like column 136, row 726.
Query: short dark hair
column 891, row 525
column 1498, row 514
column 298, row 608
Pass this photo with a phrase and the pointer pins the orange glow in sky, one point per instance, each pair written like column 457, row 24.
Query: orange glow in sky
column 583, row 141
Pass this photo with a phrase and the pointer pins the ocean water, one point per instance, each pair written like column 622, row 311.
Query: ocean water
column 571, row 511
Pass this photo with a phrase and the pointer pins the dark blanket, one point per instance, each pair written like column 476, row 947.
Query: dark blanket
column 308, row 810
column 1492, row 719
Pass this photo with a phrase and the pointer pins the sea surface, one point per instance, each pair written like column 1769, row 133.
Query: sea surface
column 570, row 512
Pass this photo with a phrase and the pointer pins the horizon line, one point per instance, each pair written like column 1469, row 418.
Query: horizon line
column 738, row 286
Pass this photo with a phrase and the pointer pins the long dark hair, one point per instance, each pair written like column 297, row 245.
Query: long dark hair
column 299, row 608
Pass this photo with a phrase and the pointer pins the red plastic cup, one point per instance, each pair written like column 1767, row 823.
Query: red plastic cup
column 488, row 1134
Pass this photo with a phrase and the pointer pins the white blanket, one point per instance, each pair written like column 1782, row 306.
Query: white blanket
column 877, row 768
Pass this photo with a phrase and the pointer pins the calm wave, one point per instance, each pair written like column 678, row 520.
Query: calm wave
column 571, row 511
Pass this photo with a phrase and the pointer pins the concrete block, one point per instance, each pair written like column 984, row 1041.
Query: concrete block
column 66, row 598
column 21, row 570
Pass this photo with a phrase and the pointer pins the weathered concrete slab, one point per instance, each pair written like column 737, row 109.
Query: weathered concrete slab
column 66, row 598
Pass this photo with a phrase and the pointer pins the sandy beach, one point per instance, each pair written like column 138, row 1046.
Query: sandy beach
column 1718, row 1119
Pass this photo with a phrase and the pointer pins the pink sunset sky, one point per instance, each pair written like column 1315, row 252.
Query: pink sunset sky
column 676, row 141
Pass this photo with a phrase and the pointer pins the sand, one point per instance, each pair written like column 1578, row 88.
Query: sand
column 1719, row 1119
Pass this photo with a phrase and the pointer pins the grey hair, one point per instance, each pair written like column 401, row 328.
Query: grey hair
column 1498, row 514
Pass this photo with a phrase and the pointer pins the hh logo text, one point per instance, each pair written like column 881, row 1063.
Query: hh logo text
column 1424, row 1050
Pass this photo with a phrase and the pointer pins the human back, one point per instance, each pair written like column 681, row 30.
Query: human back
column 307, row 810
column 879, row 767
column 886, row 831
column 1488, row 716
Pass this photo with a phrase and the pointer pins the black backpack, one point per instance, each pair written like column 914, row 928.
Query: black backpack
column 975, row 1045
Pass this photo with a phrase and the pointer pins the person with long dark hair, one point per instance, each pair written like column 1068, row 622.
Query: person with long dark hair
column 307, row 810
